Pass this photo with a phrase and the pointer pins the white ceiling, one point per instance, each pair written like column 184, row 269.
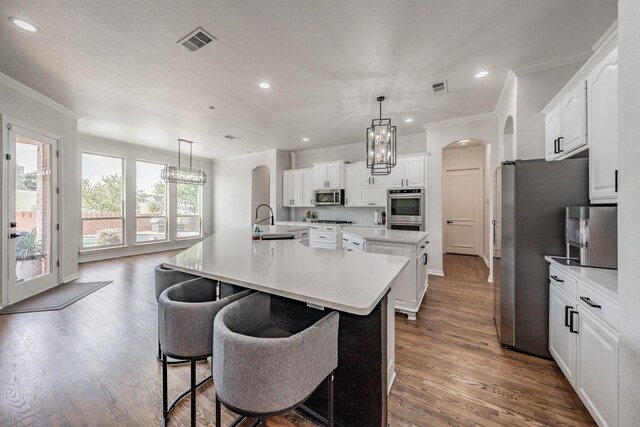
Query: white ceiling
column 117, row 63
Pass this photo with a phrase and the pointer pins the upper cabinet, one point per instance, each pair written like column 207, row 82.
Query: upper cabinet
column 352, row 173
column 566, row 124
column 328, row 175
column 602, row 119
column 584, row 115
column 408, row 172
column 297, row 188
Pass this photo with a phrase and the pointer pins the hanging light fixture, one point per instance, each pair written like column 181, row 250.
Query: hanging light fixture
column 183, row 174
column 381, row 145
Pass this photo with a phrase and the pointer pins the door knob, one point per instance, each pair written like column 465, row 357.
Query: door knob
column 13, row 235
column 449, row 222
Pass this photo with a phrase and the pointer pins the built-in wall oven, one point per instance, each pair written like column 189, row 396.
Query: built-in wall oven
column 405, row 209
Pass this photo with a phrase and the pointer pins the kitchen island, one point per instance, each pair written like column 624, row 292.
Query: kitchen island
column 411, row 287
column 357, row 285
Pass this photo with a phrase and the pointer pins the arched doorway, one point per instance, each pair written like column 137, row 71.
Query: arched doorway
column 260, row 189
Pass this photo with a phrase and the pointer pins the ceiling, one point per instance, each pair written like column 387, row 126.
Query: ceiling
column 118, row 64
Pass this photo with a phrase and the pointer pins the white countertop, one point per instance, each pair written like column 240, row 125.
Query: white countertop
column 308, row 224
column 605, row 280
column 353, row 282
column 383, row 234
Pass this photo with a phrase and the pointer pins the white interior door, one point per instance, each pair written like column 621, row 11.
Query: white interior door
column 32, row 213
column 497, row 213
column 463, row 211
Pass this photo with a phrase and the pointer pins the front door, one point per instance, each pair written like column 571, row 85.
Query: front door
column 32, row 213
column 463, row 211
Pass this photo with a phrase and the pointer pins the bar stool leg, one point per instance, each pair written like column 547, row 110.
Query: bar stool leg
column 330, row 380
column 164, row 388
column 193, row 393
column 217, row 411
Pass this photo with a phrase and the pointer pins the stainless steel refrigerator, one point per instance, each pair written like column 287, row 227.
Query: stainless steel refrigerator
column 529, row 223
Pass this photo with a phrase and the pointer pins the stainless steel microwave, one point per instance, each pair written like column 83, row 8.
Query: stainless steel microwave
column 329, row 197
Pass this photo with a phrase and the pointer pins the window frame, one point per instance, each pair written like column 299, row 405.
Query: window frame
column 166, row 209
column 122, row 218
column 199, row 215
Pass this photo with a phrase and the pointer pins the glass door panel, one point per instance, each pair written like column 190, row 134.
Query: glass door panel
column 32, row 203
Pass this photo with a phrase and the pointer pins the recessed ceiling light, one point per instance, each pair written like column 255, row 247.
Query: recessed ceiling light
column 464, row 140
column 24, row 24
column 482, row 74
column 409, row 120
column 211, row 107
column 463, row 143
column 265, row 85
column 305, row 139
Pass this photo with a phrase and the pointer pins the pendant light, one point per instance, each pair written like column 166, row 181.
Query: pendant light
column 183, row 174
column 381, row 144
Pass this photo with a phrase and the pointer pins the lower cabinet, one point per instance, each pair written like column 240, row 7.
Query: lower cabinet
column 584, row 343
column 598, row 369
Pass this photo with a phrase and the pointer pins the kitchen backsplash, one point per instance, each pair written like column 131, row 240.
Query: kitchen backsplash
column 356, row 215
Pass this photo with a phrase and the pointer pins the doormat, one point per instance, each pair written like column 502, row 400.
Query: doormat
column 55, row 298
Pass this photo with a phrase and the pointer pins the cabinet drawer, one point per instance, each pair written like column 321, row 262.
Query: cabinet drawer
column 589, row 300
column 302, row 234
column 316, row 227
column 346, row 240
column 357, row 244
column 324, row 237
column 330, row 228
column 562, row 281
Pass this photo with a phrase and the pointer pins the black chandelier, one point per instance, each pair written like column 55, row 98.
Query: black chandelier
column 381, row 145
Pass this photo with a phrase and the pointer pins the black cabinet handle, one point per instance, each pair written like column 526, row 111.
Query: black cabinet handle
column 560, row 150
column 426, row 259
column 555, row 146
column 13, row 235
column 557, row 279
column 591, row 303
column 616, row 181
column 449, row 222
column 566, row 314
column 356, row 243
column 571, row 313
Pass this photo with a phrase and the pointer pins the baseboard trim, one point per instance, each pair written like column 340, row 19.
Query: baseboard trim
column 435, row 272
column 486, row 261
column 71, row 277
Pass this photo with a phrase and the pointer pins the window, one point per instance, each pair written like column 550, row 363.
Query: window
column 189, row 211
column 102, row 201
column 151, row 203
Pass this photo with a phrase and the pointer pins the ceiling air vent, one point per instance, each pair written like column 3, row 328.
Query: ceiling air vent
column 196, row 39
column 440, row 87
column 231, row 137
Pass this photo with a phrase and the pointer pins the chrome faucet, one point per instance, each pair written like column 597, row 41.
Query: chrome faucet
column 264, row 219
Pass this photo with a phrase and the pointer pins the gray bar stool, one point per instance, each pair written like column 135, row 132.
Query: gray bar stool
column 185, row 324
column 266, row 361
column 164, row 279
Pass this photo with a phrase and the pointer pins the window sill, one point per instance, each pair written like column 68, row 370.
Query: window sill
column 100, row 249
column 182, row 239
column 151, row 242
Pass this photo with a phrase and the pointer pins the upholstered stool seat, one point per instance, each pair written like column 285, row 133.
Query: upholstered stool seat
column 267, row 360
column 186, row 312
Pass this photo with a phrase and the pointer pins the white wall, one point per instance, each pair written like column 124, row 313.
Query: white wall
column 506, row 107
column 440, row 134
column 409, row 144
column 468, row 158
column 23, row 104
column 534, row 91
column 131, row 153
column 629, row 211
column 260, row 189
column 232, row 187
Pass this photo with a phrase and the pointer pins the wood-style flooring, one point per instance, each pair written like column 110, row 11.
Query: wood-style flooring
column 93, row 363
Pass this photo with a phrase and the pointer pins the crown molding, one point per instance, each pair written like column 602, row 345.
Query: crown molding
column 555, row 62
column 508, row 84
column 609, row 36
column 26, row 90
column 460, row 120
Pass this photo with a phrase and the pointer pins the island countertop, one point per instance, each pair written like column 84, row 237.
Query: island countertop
column 353, row 282
column 384, row 234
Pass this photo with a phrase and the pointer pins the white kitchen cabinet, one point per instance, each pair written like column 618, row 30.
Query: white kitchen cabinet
column 598, row 370
column 352, row 184
column 297, row 188
column 287, row 188
column 328, row 175
column 408, row 172
column 373, row 189
column 573, row 111
column 325, row 236
column 602, row 114
column 583, row 338
column 562, row 342
column 367, row 179
column 552, row 130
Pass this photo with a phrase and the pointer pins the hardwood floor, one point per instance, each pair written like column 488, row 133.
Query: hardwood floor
column 93, row 363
